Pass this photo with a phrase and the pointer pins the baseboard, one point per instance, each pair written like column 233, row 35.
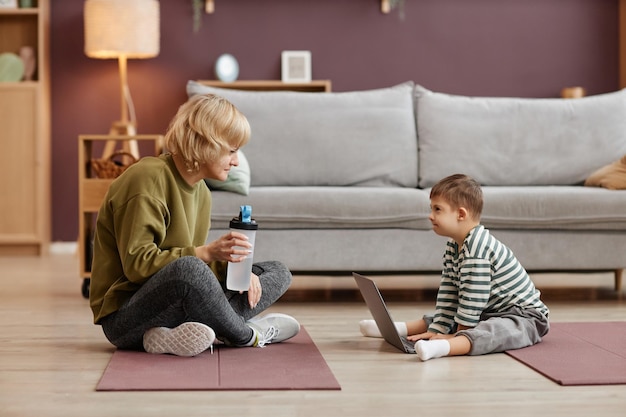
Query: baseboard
column 63, row 248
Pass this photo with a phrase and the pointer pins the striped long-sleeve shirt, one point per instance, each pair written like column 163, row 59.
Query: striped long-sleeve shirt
column 482, row 277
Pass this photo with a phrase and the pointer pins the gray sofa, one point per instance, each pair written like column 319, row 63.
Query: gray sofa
column 340, row 182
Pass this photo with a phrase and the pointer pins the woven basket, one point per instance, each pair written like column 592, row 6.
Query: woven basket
column 113, row 166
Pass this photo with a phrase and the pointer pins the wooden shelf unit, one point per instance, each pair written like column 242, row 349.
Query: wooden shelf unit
column 25, row 136
column 315, row 86
column 91, row 190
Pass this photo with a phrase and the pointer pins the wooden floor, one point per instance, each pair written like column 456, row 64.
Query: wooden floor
column 51, row 356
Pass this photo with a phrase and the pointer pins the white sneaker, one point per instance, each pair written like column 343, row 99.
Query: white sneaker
column 273, row 328
column 188, row 339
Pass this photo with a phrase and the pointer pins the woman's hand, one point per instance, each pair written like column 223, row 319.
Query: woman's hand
column 255, row 290
column 231, row 247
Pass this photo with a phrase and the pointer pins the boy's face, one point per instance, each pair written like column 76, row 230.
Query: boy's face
column 444, row 218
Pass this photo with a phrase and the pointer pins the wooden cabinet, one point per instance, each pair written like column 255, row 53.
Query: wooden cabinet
column 91, row 189
column 25, row 136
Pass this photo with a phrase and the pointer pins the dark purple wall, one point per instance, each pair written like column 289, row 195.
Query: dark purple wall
column 526, row 48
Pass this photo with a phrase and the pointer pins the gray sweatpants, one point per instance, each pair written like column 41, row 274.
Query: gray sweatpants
column 187, row 290
column 514, row 328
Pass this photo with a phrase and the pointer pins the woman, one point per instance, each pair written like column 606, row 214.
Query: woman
column 155, row 284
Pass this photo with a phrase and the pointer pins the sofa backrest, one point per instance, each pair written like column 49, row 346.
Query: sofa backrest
column 518, row 141
column 363, row 138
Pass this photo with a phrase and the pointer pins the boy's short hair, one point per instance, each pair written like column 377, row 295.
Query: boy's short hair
column 460, row 190
column 204, row 128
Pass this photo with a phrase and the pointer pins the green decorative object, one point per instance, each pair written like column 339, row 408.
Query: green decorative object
column 11, row 67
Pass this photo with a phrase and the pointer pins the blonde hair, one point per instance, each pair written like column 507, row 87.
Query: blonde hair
column 460, row 190
column 204, row 128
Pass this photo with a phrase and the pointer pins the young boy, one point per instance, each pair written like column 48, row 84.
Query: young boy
column 486, row 301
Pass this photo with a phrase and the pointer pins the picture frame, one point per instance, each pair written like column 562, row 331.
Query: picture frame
column 8, row 4
column 296, row 66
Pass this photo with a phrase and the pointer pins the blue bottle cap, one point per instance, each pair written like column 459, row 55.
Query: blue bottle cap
column 244, row 221
column 245, row 214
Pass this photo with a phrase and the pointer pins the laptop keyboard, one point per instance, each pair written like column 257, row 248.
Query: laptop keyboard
column 408, row 345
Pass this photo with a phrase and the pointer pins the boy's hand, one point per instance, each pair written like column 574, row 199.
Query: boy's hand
column 422, row 336
column 429, row 336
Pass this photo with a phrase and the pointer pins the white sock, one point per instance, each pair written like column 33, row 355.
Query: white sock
column 370, row 329
column 429, row 349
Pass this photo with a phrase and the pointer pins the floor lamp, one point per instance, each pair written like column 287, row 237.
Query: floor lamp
column 122, row 29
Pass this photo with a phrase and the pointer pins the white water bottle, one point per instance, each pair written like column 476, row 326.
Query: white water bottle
column 238, row 273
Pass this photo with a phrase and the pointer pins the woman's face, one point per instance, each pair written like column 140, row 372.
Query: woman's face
column 219, row 169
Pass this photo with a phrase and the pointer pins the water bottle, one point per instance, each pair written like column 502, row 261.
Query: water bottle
column 238, row 273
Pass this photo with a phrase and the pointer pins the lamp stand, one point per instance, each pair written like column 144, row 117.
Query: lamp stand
column 124, row 126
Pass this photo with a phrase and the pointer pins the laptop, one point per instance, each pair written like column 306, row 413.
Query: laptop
column 378, row 308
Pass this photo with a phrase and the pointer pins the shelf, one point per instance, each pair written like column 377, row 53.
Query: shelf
column 271, row 85
column 209, row 6
column 24, row 85
column 20, row 11
column 23, row 27
column 92, row 190
column 25, row 137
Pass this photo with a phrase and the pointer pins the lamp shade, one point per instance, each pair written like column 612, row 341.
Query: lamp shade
column 115, row 28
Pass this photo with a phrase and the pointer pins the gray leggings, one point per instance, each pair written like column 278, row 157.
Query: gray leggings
column 187, row 290
column 515, row 328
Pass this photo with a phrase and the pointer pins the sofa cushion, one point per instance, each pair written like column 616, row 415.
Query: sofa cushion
column 518, row 141
column 363, row 138
column 326, row 207
column 612, row 176
column 571, row 208
column 554, row 208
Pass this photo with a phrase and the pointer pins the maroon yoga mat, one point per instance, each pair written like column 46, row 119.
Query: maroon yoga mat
column 295, row 364
column 589, row 353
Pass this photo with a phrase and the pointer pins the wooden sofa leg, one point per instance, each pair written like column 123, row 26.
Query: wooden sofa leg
column 618, row 280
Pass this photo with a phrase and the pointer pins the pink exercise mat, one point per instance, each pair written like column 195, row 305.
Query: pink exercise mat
column 295, row 364
column 589, row 353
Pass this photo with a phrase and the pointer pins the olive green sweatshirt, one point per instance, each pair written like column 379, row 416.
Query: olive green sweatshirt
column 149, row 218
